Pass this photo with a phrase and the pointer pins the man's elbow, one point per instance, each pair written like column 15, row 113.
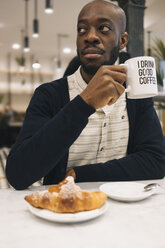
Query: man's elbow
column 13, row 177
column 161, row 169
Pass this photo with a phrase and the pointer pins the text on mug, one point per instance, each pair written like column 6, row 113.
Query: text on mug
column 145, row 63
column 146, row 72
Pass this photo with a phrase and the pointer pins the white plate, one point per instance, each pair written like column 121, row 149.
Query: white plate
column 126, row 191
column 68, row 218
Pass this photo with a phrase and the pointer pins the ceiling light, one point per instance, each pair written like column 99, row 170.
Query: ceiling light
column 35, row 28
column 22, row 64
column 67, row 50
column 26, row 38
column 48, row 11
column 26, row 44
column 35, row 22
column 26, row 49
column 36, row 65
column 21, row 60
column 35, row 35
column 149, row 43
column 16, row 46
column 48, row 6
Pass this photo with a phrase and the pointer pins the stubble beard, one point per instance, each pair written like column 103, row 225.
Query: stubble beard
column 91, row 70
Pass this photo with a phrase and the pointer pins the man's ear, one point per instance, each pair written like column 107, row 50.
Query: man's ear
column 123, row 40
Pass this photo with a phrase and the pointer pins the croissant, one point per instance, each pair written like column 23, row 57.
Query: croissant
column 66, row 197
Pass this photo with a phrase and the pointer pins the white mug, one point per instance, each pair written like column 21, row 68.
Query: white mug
column 141, row 77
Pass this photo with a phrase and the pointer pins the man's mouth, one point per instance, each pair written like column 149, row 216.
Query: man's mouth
column 92, row 53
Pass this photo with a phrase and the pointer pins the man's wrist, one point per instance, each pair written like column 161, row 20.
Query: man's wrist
column 71, row 173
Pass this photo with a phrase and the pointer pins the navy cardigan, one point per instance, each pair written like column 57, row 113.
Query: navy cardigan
column 53, row 122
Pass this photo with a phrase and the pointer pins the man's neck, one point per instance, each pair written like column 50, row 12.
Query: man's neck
column 86, row 77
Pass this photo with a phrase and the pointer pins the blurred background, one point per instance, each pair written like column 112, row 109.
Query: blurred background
column 38, row 40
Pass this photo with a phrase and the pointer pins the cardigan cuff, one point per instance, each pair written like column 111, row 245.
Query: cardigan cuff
column 81, row 107
column 88, row 173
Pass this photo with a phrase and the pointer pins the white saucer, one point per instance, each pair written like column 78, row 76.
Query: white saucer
column 126, row 191
column 67, row 218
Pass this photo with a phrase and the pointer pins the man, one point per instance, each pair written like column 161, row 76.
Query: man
column 84, row 125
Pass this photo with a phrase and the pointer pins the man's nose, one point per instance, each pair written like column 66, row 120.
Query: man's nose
column 92, row 36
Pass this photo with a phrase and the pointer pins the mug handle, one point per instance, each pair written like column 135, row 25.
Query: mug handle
column 125, row 65
column 129, row 87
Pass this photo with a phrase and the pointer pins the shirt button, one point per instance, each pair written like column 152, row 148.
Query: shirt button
column 105, row 124
column 122, row 117
column 102, row 148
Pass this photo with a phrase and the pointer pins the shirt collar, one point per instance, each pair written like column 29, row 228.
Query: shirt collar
column 79, row 80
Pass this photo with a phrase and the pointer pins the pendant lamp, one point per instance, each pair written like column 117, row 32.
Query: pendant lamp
column 26, row 38
column 35, row 21
column 49, row 6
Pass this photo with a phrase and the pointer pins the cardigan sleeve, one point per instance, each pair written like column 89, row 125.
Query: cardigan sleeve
column 146, row 150
column 47, row 133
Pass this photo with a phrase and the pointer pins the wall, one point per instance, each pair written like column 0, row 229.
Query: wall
column 24, row 82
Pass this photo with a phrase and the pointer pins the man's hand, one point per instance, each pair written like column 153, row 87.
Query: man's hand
column 105, row 87
column 71, row 173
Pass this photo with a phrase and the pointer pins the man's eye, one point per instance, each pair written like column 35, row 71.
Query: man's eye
column 81, row 30
column 104, row 28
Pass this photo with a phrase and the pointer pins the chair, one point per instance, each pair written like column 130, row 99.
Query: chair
column 3, row 157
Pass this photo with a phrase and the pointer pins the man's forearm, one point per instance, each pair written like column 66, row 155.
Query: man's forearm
column 141, row 166
column 32, row 158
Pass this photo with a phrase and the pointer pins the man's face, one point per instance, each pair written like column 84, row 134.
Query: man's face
column 98, row 36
